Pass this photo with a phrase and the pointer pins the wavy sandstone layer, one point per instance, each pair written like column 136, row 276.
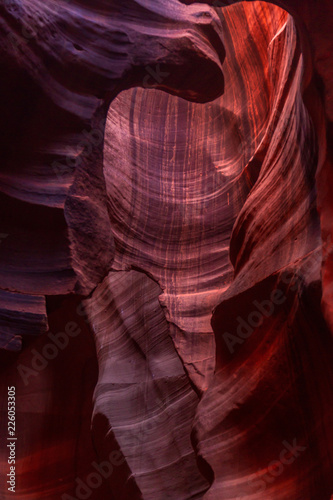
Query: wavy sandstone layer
column 63, row 64
column 170, row 164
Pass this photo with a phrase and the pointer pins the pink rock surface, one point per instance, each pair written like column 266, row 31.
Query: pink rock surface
column 166, row 264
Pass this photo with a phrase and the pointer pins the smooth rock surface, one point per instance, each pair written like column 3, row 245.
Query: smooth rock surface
column 170, row 164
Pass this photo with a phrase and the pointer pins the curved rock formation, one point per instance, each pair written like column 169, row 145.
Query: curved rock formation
column 168, row 163
column 65, row 63
column 143, row 400
column 183, row 182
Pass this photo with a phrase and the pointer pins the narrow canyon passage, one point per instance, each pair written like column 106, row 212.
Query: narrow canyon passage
column 184, row 181
column 165, row 307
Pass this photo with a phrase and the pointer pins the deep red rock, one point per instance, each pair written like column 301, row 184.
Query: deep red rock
column 170, row 165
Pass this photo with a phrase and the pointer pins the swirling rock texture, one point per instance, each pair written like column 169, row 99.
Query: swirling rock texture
column 170, row 164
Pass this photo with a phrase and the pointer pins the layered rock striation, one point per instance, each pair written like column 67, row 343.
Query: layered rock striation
column 169, row 165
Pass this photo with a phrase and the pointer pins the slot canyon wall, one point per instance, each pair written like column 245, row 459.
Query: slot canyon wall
column 166, row 307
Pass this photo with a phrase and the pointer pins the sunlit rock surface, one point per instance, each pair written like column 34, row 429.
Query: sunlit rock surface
column 165, row 275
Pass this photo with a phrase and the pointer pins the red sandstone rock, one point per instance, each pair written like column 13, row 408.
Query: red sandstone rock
column 194, row 231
